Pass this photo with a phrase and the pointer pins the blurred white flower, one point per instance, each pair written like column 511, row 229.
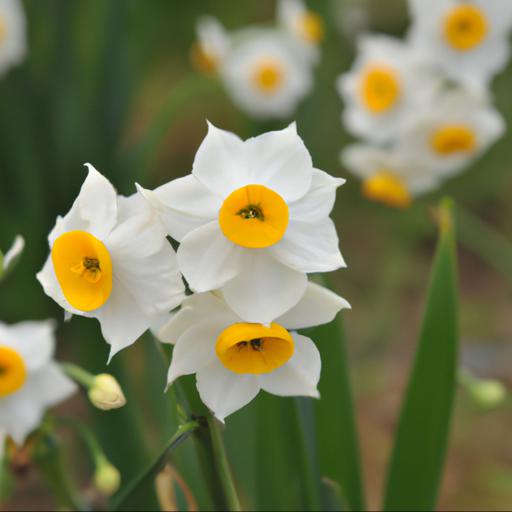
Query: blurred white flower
column 467, row 40
column 389, row 176
column 211, row 46
column 384, row 86
column 450, row 131
column 10, row 258
column 252, row 219
column 110, row 260
column 233, row 359
column 265, row 74
column 30, row 380
column 13, row 37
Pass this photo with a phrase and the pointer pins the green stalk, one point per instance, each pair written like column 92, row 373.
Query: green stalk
column 78, row 374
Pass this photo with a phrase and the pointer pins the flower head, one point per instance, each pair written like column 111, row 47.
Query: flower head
column 13, row 38
column 211, row 46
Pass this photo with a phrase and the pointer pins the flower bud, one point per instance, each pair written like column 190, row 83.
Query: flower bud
column 107, row 478
column 488, row 393
column 106, row 393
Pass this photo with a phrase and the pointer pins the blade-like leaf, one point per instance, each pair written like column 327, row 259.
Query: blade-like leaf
column 421, row 440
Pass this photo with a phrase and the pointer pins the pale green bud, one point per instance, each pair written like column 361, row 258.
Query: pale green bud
column 106, row 393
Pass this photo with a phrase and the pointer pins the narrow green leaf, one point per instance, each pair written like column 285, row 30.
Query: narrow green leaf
column 421, row 440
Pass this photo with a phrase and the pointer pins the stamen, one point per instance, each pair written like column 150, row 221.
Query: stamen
column 252, row 211
column 89, row 269
column 257, row 344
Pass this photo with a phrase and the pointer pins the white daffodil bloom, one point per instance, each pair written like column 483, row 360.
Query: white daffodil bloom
column 304, row 25
column 265, row 74
column 110, row 260
column 30, row 380
column 383, row 88
column 13, row 37
column 450, row 132
column 252, row 219
column 467, row 40
column 212, row 45
column 11, row 256
column 233, row 359
column 389, row 176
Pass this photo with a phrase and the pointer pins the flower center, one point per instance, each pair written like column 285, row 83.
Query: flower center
column 379, row 89
column 204, row 61
column 268, row 75
column 3, row 29
column 465, row 27
column 254, row 348
column 452, row 139
column 385, row 187
column 12, row 371
column 311, row 27
column 83, row 268
column 254, row 216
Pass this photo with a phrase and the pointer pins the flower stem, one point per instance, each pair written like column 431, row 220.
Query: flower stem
column 78, row 374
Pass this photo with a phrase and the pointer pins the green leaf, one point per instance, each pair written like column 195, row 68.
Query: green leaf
column 421, row 440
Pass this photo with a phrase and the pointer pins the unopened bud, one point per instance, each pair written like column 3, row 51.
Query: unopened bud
column 107, row 478
column 106, row 393
column 488, row 393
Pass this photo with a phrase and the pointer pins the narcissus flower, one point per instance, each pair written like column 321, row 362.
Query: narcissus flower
column 233, row 359
column 211, row 46
column 13, row 37
column 467, row 40
column 30, row 380
column 389, row 176
column 451, row 131
column 110, row 260
column 252, row 219
column 384, row 86
column 265, row 74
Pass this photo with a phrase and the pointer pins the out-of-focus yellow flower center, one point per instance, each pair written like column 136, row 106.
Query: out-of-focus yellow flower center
column 203, row 61
column 310, row 27
column 268, row 75
column 385, row 187
column 3, row 29
column 452, row 139
column 254, row 348
column 465, row 27
column 83, row 268
column 379, row 89
column 12, row 371
column 254, row 216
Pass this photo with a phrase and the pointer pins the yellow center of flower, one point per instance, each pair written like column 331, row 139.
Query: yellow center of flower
column 3, row 29
column 268, row 75
column 12, row 371
column 453, row 139
column 465, row 27
column 311, row 27
column 254, row 216
column 254, row 348
column 83, row 268
column 203, row 61
column 379, row 89
column 385, row 187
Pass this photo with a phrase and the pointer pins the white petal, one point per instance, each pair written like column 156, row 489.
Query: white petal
column 317, row 306
column 280, row 161
column 300, row 375
column 194, row 350
column 224, row 391
column 12, row 254
column 220, row 162
column 20, row 413
column 208, row 259
column 310, row 247
column 51, row 385
column 265, row 290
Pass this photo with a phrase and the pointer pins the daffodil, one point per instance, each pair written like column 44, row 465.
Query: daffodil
column 13, row 37
column 211, row 46
column 30, row 380
column 265, row 74
column 467, row 40
column 389, row 176
column 451, row 131
column 110, row 260
column 383, row 88
column 252, row 219
column 233, row 359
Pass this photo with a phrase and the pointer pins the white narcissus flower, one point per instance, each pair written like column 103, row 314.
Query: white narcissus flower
column 383, row 88
column 30, row 380
column 11, row 256
column 451, row 131
column 389, row 176
column 212, row 45
column 467, row 40
column 13, row 37
column 233, row 359
column 264, row 73
column 252, row 219
column 110, row 260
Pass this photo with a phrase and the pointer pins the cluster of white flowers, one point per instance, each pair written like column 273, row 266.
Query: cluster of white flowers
column 423, row 105
column 252, row 220
column 267, row 71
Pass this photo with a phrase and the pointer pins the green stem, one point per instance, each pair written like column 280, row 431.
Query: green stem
column 78, row 374
column 222, row 463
